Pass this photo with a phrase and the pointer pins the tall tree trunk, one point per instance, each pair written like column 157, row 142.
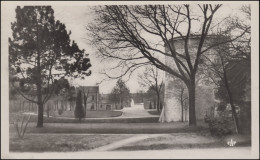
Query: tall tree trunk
column 48, row 110
column 158, row 101
column 121, row 105
column 40, row 106
column 234, row 114
column 57, row 108
column 39, row 92
column 182, row 107
column 192, row 111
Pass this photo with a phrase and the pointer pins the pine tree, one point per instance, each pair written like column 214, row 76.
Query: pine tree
column 79, row 110
column 40, row 47
column 122, row 93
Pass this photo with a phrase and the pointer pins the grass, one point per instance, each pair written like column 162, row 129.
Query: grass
column 168, row 146
column 155, row 112
column 79, row 142
column 91, row 114
column 183, row 141
column 60, row 143
column 13, row 116
column 112, row 128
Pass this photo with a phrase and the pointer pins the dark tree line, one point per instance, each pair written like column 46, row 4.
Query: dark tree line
column 123, row 33
column 40, row 51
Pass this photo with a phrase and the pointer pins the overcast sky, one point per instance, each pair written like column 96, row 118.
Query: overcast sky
column 75, row 18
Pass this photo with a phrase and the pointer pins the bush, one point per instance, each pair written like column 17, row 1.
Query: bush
column 150, row 105
column 220, row 126
column 20, row 129
column 79, row 110
column 60, row 111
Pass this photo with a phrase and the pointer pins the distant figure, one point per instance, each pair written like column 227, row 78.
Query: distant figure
column 132, row 103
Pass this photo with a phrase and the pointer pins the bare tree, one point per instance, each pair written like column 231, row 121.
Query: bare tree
column 181, row 96
column 85, row 98
column 120, row 93
column 236, row 54
column 152, row 78
column 133, row 35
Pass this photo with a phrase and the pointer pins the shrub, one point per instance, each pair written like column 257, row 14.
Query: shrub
column 20, row 129
column 60, row 111
column 150, row 105
column 79, row 110
column 220, row 126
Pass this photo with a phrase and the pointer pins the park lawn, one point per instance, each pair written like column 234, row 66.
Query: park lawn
column 154, row 112
column 113, row 128
column 65, row 117
column 91, row 114
column 60, row 142
column 185, row 141
column 14, row 116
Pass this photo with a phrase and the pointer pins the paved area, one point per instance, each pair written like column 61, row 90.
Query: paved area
column 121, row 143
column 212, row 153
column 136, row 111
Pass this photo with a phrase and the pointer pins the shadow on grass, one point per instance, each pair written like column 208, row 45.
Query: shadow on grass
column 155, row 112
column 97, row 120
column 113, row 128
column 179, row 146
column 61, row 143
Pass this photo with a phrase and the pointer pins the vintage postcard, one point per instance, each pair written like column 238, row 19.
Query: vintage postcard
column 119, row 79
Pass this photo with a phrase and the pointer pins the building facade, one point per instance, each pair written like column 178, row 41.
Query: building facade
column 173, row 110
column 91, row 96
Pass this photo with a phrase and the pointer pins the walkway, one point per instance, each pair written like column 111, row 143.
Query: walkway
column 124, row 142
column 216, row 153
column 137, row 111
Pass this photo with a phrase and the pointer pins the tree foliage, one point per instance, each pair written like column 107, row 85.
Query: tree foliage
column 79, row 110
column 231, row 68
column 123, row 33
column 120, row 93
column 152, row 78
column 40, row 51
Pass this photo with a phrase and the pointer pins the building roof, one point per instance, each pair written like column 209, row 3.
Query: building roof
column 197, row 36
column 139, row 97
column 105, row 98
column 90, row 89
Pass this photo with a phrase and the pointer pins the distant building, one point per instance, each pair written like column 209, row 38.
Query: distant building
column 97, row 101
column 91, row 94
column 105, row 103
column 204, row 93
column 149, row 100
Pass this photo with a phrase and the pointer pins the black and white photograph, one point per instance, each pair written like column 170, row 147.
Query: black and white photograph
column 118, row 79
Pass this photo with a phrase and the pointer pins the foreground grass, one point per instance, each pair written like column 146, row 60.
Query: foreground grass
column 113, row 128
column 60, row 142
column 154, row 112
column 13, row 117
column 89, row 114
column 185, row 141
column 80, row 142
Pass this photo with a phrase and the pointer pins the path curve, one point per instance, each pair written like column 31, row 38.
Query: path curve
column 123, row 142
column 137, row 111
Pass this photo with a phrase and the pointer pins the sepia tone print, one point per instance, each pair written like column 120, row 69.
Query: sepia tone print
column 126, row 78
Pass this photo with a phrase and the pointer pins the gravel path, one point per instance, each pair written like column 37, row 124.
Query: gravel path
column 136, row 111
column 121, row 143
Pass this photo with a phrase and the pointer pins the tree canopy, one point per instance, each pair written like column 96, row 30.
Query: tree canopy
column 40, row 51
column 120, row 93
column 138, row 35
